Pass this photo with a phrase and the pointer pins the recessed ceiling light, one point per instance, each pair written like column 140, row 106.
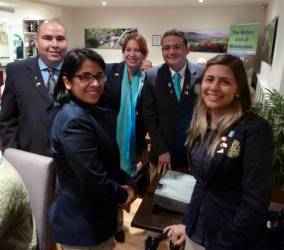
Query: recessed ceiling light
column 104, row 3
column 200, row 1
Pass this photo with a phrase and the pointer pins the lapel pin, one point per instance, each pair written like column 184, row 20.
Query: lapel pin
column 38, row 84
column 221, row 151
column 223, row 138
column 231, row 133
column 234, row 150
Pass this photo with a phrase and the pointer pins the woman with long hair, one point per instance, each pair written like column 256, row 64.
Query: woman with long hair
column 230, row 154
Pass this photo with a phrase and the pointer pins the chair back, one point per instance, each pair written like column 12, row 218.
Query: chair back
column 37, row 174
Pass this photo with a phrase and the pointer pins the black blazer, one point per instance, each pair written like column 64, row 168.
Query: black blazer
column 235, row 195
column 112, row 96
column 26, row 110
column 166, row 119
column 89, row 177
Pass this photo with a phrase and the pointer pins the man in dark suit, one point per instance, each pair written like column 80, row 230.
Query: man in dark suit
column 169, row 94
column 27, row 112
column 168, row 114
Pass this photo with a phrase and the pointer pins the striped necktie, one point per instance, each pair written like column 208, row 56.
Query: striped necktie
column 51, row 81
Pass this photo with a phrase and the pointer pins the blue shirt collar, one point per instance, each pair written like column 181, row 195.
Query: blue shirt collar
column 43, row 66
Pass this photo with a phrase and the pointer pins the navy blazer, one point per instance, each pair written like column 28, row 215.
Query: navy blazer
column 26, row 112
column 235, row 194
column 112, row 95
column 166, row 118
column 89, row 177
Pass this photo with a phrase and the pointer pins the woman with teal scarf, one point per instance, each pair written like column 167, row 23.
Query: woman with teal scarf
column 123, row 94
column 123, row 91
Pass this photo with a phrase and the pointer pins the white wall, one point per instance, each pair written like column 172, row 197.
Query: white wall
column 155, row 21
column 273, row 75
column 25, row 10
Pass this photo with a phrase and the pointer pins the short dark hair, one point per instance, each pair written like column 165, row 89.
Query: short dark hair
column 72, row 63
column 175, row 32
column 139, row 39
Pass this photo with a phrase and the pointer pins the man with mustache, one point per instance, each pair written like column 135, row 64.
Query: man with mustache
column 169, row 94
column 27, row 110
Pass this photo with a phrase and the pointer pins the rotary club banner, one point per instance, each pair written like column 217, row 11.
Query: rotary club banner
column 243, row 40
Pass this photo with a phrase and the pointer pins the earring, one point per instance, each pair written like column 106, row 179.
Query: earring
column 237, row 96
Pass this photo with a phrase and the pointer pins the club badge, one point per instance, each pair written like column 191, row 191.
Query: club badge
column 234, row 149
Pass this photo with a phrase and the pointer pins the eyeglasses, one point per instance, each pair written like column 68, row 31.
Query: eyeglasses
column 88, row 78
column 173, row 47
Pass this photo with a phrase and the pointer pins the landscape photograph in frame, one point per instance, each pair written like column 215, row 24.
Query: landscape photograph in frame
column 208, row 41
column 268, row 41
column 106, row 38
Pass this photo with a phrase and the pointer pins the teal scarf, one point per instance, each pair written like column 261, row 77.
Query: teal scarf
column 126, row 120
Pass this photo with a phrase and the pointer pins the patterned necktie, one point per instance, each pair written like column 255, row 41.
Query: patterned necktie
column 51, row 81
column 177, row 78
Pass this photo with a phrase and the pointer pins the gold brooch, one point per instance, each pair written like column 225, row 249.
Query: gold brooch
column 234, row 150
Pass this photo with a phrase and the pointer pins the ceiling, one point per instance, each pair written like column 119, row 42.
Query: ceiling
column 145, row 3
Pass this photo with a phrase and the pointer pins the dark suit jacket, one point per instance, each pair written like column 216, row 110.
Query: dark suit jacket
column 166, row 119
column 26, row 110
column 235, row 194
column 114, row 72
column 87, row 165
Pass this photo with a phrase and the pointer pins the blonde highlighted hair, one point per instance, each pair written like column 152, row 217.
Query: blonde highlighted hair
column 239, row 107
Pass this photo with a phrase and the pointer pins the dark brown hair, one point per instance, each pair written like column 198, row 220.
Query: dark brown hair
column 175, row 32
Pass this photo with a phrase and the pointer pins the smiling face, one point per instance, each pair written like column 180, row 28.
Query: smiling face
column 218, row 89
column 51, row 43
column 88, row 91
column 133, row 55
column 174, row 52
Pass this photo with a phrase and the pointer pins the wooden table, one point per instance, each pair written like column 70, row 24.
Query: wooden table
column 150, row 216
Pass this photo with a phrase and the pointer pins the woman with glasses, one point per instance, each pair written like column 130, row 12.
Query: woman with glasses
column 90, row 186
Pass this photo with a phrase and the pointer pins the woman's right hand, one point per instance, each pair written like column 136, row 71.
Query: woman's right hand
column 176, row 234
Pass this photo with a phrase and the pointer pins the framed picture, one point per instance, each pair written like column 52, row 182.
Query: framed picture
column 268, row 40
column 156, row 40
column 106, row 38
column 208, row 41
